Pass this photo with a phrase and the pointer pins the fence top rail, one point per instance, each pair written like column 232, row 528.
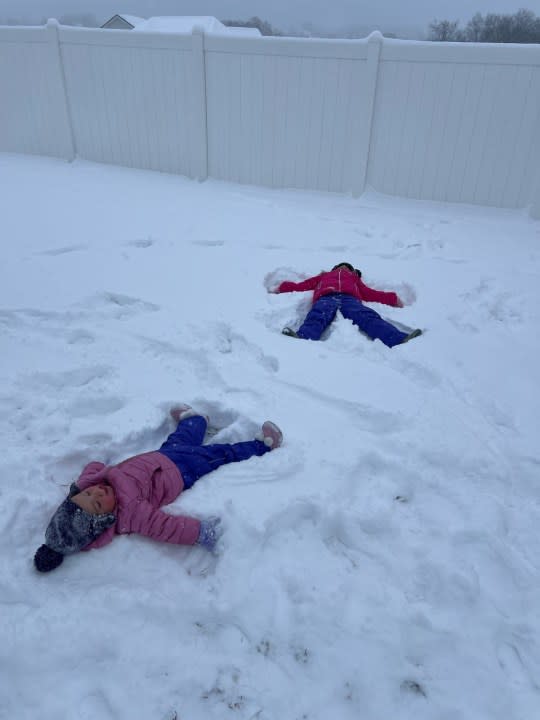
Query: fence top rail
column 96, row 36
column 301, row 47
column 420, row 51
column 124, row 38
column 289, row 46
column 466, row 53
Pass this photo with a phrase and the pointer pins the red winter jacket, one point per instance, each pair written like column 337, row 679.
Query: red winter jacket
column 340, row 281
column 142, row 484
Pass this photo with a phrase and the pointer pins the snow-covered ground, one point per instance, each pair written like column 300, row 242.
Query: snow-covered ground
column 384, row 563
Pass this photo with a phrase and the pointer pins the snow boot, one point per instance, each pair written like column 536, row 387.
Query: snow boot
column 411, row 335
column 289, row 332
column 271, row 435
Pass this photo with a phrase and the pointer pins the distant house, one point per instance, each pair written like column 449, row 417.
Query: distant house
column 122, row 22
column 178, row 24
column 186, row 23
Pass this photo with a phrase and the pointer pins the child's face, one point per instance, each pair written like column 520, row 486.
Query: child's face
column 96, row 499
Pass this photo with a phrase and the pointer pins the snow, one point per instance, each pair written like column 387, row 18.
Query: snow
column 186, row 24
column 382, row 564
column 181, row 24
column 241, row 31
column 133, row 19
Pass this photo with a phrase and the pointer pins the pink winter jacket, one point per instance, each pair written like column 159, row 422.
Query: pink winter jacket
column 142, row 484
column 340, row 281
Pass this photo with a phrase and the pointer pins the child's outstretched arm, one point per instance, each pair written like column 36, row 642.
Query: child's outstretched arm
column 152, row 522
column 386, row 298
column 288, row 286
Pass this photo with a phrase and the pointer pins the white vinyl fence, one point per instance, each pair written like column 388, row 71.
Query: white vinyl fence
column 435, row 121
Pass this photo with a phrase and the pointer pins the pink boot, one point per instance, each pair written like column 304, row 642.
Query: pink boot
column 272, row 436
column 177, row 412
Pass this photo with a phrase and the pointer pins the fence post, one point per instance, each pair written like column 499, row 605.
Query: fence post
column 56, row 57
column 199, row 148
column 374, row 44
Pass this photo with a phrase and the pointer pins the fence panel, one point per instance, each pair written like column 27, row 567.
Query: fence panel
column 32, row 102
column 285, row 112
column 131, row 98
column 456, row 123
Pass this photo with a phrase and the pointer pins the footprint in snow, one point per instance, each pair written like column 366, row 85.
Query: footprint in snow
column 142, row 243
column 62, row 250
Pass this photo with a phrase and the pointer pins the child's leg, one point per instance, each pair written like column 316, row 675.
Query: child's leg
column 319, row 318
column 189, row 432
column 371, row 322
column 194, row 462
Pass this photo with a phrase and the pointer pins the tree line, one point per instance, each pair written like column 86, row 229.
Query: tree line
column 521, row 27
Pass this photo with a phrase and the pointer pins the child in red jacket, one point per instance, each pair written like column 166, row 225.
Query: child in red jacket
column 342, row 289
column 128, row 497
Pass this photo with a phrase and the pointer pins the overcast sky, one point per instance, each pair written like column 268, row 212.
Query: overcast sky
column 284, row 14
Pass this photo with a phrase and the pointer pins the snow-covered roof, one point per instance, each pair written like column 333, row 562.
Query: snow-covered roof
column 242, row 31
column 133, row 19
column 181, row 24
column 186, row 23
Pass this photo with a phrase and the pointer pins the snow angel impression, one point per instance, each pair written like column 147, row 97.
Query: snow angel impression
column 128, row 497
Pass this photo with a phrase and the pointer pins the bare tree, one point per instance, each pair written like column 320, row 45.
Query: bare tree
column 263, row 26
column 444, row 31
column 474, row 29
column 497, row 28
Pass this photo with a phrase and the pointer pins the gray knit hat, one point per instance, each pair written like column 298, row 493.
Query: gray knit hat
column 71, row 529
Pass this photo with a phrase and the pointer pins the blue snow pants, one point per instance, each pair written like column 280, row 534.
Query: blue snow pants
column 324, row 311
column 184, row 447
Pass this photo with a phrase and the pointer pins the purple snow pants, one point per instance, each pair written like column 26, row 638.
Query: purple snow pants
column 324, row 311
column 184, row 447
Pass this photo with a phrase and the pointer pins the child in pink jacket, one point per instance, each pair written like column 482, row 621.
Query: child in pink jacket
column 127, row 498
column 342, row 289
